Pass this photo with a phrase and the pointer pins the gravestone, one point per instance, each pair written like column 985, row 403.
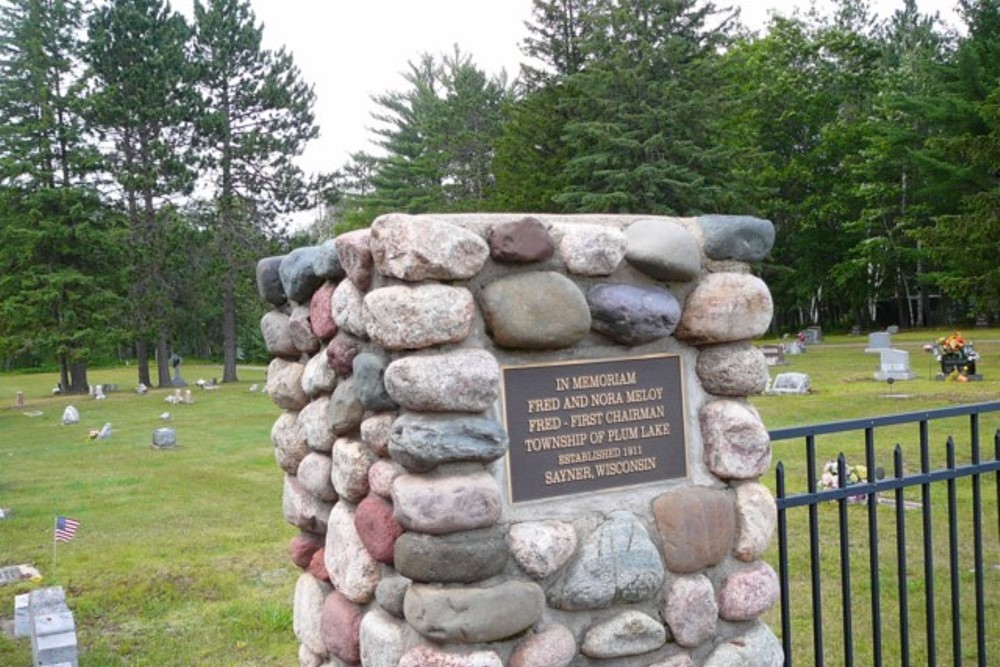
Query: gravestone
column 894, row 365
column 175, row 363
column 774, row 355
column 53, row 631
column 70, row 415
column 791, row 383
column 813, row 335
column 164, row 438
column 105, row 432
column 878, row 341
column 97, row 392
column 20, row 400
column 892, row 329
column 22, row 625
column 794, row 347
column 142, row 389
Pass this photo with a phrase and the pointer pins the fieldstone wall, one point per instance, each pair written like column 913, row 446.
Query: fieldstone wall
column 388, row 347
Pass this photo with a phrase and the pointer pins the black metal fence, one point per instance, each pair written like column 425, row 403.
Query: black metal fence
column 938, row 487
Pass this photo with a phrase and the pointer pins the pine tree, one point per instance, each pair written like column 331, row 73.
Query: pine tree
column 258, row 117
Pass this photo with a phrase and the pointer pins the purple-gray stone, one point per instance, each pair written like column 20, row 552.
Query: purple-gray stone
column 297, row 275
column 423, row 442
column 633, row 314
column 269, row 280
column 740, row 237
column 369, row 371
column 454, row 558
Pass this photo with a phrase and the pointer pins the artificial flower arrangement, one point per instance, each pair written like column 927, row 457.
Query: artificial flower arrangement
column 958, row 359
column 853, row 474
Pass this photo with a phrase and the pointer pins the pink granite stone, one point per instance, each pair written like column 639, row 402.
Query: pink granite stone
column 302, row 547
column 355, row 255
column 320, row 315
column 425, row 656
column 381, row 476
column 377, row 528
column 748, row 593
column 317, row 566
column 339, row 626
column 555, row 647
column 340, row 353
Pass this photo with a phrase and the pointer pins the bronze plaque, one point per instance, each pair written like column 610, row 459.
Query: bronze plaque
column 585, row 426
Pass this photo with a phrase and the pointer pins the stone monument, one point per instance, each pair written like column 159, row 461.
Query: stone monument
column 522, row 440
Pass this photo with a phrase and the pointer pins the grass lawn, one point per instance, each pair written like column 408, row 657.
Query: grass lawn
column 180, row 558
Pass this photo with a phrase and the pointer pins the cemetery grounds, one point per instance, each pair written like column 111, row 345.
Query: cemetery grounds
column 180, row 558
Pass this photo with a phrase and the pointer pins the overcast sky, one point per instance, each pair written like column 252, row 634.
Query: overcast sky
column 350, row 50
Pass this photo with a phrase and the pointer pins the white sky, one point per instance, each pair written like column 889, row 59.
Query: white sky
column 350, row 50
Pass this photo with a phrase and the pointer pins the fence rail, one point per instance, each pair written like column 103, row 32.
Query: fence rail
column 867, row 491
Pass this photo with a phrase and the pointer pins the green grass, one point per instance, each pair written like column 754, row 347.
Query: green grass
column 181, row 556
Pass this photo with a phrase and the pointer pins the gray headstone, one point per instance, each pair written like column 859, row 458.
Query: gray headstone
column 164, row 438
column 813, row 335
column 879, row 340
column 774, row 355
column 53, row 632
column 892, row 329
column 791, row 383
column 895, row 365
column 22, row 624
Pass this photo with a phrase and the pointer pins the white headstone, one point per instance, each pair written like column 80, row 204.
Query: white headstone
column 70, row 416
column 791, row 383
column 895, row 365
column 879, row 340
column 105, row 431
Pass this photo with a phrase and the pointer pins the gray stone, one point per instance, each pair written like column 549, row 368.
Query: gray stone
column 307, row 609
column 756, row 518
column 351, row 462
column 740, row 237
column 541, row 310
column 676, row 660
column 616, row 564
column 290, row 445
column 269, row 281
column 355, row 255
column 632, row 314
column 352, row 570
column 277, row 334
column 303, row 509
column 553, row 647
column 164, row 438
column 300, row 330
column 314, row 476
column 318, row 377
column 22, row 625
column 284, row 384
column 626, row 634
column 471, row 615
column 664, row 250
column 424, row 248
column 748, row 592
column 725, row 308
column 696, row 527
column 70, row 416
column 757, row 647
column 383, row 639
column 591, row 250
column 732, row 369
column 390, row 592
column 541, row 547
column 345, row 410
column 521, row 241
column 297, row 275
column 326, row 264
column 463, row 557
column 369, row 383
column 459, row 381
column 422, row 442
column 737, row 445
column 690, row 610
column 346, row 306
column 309, row 659
column 791, row 383
column 401, row 317
column 439, row 504
column 316, row 425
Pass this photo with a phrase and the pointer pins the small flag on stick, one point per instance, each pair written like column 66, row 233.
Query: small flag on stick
column 66, row 528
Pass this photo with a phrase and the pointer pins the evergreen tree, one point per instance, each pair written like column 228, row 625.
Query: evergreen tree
column 258, row 118
column 144, row 106
column 58, row 244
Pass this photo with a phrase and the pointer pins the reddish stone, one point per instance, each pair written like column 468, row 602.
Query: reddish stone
column 521, row 241
column 320, row 315
column 377, row 528
column 302, row 547
column 317, row 566
column 340, row 353
column 355, row 255
column 339, row 628
column 696, row 527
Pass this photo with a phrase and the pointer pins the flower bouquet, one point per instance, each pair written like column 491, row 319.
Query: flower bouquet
column 957, row 357
column 853, row 474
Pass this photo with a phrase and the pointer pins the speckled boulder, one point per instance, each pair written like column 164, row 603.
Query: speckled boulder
column 355, row 256
column 553, row 647
column 284, row 384
column 400, row 317
column 748, row 592
column 275, row 329
column 459, row 381
column 591, row 250
column 424, row 248
column 326, row 264
column 737, row 444
column 377, row 528
column 732, row 369
column 724, row 308
column 626, row 634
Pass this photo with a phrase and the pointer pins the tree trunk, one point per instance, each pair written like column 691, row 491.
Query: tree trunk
column 229, row 337
column 163, row 362
column 142, row 361
column 78, row 378
column 63, row 373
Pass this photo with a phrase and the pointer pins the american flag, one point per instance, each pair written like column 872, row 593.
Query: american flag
column 66, row 528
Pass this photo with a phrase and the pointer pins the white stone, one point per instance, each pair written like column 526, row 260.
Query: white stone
column 756, row 518
column 352, row 570
column 351, row 462
column 422, row 248
column 591, row 250
column 316, row 425
column 690, row 609
column 460, row 381
column 410, row 318
column 284, row 384
column 318, row 376
column 541, row 547
column 346, row 308
column 307, row 607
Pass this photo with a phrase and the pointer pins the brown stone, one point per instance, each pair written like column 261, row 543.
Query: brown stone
column 317, row 566
column 696, row 527
column 521, row 241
